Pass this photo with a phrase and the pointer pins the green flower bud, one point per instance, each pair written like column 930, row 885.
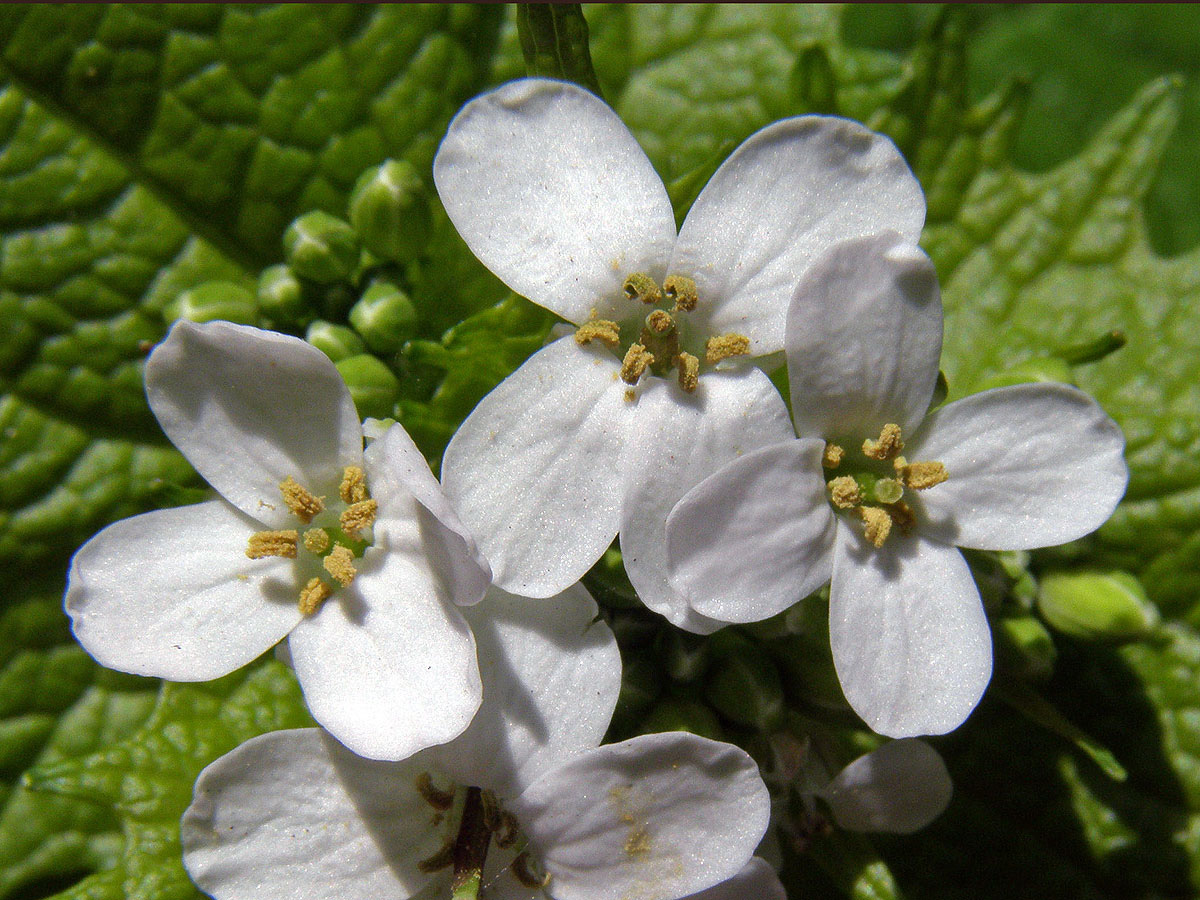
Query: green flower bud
column 321, row 247
column 214, row 301
column 1098, row 606
column 335, row 341
column 1046, row 368
column 683, row 715
column 1024, row 647
column 745, row 688
column 373, row 387
column 281, row 295
column 389, row 209
column 684, row 656
column 385, row 317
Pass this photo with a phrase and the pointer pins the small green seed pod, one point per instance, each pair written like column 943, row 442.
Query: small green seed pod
column 745, row 688
column 1024, row 647
column 281, row 295
column 321, row 247
column 1097, row 606
column 214, row 301
column 683, row 715
column 389, row 209
column 385, row 317
column 336, row 341
column 372, row 385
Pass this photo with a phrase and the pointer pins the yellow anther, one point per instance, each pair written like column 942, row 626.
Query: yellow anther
column 902, row 516
column 602, row 330
column 689, row 371
column 877, row 524
column 312, row 595
column 630, row 395
column 922, row 475
column 438, row 799
column 340, row 564
column 303, row 504
column 442, row 858
column 660, row 322
column 522, row 869
column 316, row 540
column 354, row 485
column 723, row 346
column 272, row 543
column 832, row 457
column 509, row 830
column 681, row 291
column 640, row 286
column 890, row 443
column 844, row 492
column 357, row 517
column 636, row 361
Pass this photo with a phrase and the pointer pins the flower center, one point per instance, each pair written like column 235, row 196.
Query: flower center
column 336, row 537
column 664, row 337
column 873, row 492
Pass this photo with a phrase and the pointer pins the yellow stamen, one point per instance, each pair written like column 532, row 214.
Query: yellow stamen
column 438, row 799
column 357, row 517
column 442, row 858
column 508, row 831
column 521, row 868
column 636, row 361
column 602, row 330
column 340, row 564
column 723, row 346
column 630, row 395
column 833, row 456
column 844, row 492
column 354, row 485
column 303, row 504
column 312, row 595
column 922, row 475
column 681, row 290
column 316, row 540
column 272, row 543
column 689, row 371
column 660, row 322
column 890, row 443
column 640, row 286
column 877, row 524
column 903, row 516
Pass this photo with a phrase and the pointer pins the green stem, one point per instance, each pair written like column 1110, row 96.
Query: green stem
column 470, row 849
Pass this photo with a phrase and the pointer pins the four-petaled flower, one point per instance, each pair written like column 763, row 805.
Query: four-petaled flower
column 659, row 817
column 356, row 557
column 877, row 494
column 603, row 431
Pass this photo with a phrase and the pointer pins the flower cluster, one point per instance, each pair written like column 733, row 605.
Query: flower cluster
column 463, row 678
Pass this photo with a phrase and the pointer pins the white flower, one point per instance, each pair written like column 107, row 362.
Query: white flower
column 385, row 659
column 1019, row 467
column 662, row 816
column 553, row 194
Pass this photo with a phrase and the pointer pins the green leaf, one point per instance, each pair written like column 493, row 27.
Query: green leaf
column 554, row 40
column 147, row 778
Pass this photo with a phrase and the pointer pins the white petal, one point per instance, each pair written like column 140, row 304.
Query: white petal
column 780, row 201
column 553, row 194
column 248, row 408
column 864, row 336
column 756, row 881
column 291, row 815
column 680, row 439
column 534, row 471
column 551, row 674
column 396, row 467
column 171, row 594
column 911, row 644
column 1032, row 465
column 901, row 788
column 658, row 817
column 755, row 537
column 388, row 664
